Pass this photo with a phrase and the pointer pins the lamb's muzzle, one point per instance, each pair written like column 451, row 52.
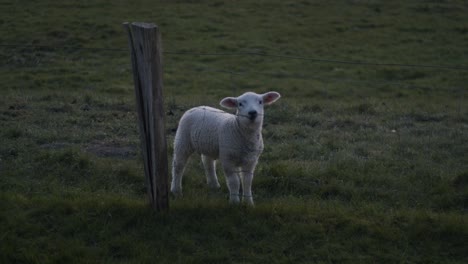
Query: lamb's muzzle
column 252, row 115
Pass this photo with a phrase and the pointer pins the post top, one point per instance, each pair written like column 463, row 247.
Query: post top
column 140, row 24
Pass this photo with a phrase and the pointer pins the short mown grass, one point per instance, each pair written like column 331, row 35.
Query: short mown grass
column 362, row 163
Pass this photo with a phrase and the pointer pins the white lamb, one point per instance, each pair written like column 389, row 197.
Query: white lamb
column 236, row 140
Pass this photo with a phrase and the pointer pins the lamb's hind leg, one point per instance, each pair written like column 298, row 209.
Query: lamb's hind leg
column 178, row 166
column 210, row 172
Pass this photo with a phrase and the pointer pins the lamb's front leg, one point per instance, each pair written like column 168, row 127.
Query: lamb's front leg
column 233, row 183
column 248, row 174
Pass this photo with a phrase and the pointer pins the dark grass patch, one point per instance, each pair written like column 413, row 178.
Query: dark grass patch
column 461, row 181
column 201, row 231
column 400, row 74
column 462, row 30
column 312, row 109
column 350, row 124
column 60, row 108
column 14, row 133
column 56, row 145
column 365, row 108
column 67, row 166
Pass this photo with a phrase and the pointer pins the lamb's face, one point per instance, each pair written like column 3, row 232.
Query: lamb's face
column 250, row 105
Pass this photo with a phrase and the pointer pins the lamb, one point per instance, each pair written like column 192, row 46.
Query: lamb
column 236, row 140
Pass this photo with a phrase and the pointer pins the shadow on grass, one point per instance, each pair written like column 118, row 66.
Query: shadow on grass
column 95, row 227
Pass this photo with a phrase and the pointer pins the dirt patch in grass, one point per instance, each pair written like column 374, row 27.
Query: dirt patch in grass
column 107, row 150
column 55, row 145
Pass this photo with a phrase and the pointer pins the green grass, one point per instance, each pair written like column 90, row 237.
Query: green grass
column 362, row 164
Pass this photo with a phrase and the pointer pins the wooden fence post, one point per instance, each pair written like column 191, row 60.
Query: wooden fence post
column 144, row 41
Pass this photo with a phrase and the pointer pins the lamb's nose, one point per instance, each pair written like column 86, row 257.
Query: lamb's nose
column 252, row 115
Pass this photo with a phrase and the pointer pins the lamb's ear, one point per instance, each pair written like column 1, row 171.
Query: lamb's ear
column 270, row 97
column 229, row 102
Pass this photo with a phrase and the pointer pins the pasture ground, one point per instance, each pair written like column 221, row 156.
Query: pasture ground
column 363, row 163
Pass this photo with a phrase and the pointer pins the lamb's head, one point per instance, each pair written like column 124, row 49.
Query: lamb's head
column 250, row 106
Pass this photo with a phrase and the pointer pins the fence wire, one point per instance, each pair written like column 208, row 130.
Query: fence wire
column 245, row 54
column 22, row 48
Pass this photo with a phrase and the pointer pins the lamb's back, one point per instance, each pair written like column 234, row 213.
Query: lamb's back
column 201, row 126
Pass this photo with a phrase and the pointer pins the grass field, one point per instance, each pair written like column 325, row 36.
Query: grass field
column 362, row 163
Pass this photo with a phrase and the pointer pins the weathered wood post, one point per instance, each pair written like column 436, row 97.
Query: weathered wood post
column 144, row 40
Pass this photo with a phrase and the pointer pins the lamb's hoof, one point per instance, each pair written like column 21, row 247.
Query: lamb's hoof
column 248, row 200
column 176, row 194
column 249, row 203
column 234, row 199
column 214, row 185
column 214, row 192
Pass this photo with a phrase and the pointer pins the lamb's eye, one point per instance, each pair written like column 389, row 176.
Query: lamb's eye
column 260, row 102
column 240, row 104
